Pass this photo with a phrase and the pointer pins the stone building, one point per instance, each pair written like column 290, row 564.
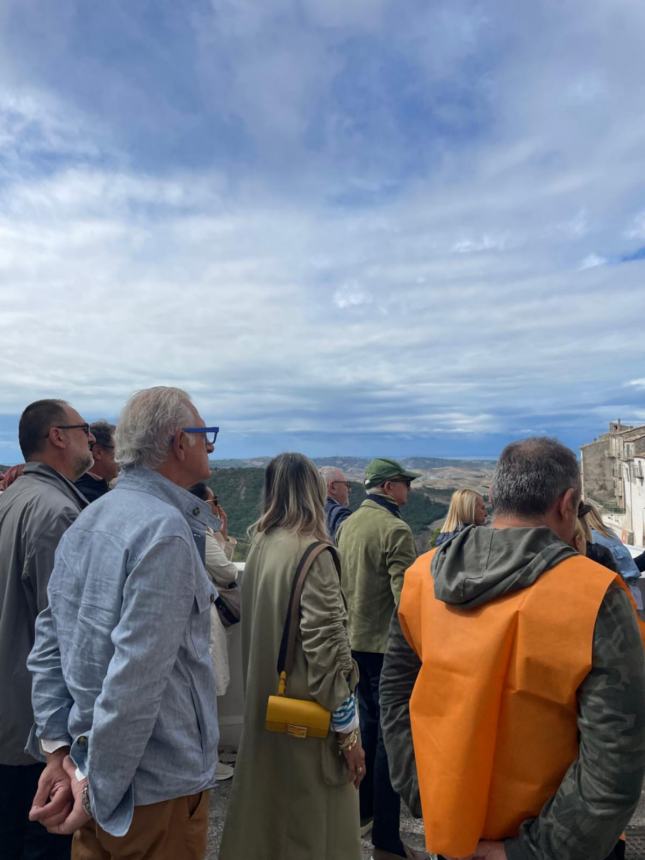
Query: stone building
column 613, row 475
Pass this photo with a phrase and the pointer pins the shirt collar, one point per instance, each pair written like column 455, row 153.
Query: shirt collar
column 196, row 511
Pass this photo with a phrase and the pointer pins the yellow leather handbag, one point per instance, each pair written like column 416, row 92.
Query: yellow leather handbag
column 300, row 718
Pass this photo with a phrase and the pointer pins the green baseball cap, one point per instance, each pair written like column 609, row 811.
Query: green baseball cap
column 380, row 470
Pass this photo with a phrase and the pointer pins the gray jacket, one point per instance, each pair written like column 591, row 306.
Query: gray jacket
column 34, row 512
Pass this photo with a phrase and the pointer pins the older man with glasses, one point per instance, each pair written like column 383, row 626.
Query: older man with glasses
column 34, row 512
column 122, row 677
column 337, row 504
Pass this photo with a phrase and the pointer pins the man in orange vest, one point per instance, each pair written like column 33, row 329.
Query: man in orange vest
column 513, row 687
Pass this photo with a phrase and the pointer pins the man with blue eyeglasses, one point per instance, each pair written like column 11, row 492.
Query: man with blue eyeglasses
column 122, row 677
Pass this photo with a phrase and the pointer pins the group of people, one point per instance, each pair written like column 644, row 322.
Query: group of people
column 496, row 683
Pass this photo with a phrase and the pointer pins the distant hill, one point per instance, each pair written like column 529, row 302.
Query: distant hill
column 439, row 477
column 239, row 491
column 357, row 464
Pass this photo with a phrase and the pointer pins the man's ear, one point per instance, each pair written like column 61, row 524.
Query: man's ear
column 568, row 503
column 56, row 438
column 178, row 445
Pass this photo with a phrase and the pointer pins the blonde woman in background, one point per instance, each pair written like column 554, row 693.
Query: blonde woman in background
column 295, row 798
column 625, row 564
column 467, row 508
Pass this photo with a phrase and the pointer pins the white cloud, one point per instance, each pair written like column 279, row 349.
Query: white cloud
column 592, row 261
column 350, row 295
column 637, row 228
column 484, row 243
column 386, row 240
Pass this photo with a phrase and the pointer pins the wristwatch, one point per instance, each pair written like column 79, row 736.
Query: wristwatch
column 85, row 800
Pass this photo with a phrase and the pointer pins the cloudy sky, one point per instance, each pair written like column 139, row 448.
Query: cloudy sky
column 347, row 226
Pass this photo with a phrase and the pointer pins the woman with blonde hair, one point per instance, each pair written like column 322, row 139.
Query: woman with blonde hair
column 467, row 507
column 604, row 536
column 295, row 797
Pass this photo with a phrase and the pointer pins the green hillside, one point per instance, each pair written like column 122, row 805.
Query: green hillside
column 240, row 493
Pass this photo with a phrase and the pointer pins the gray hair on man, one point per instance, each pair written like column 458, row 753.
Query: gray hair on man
column 531, row 475
column 330, row 474
column 148, row 422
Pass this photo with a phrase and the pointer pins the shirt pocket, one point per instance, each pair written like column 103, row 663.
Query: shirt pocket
column 200, row 618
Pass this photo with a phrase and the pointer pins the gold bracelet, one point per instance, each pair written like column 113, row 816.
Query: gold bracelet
column 348, row 742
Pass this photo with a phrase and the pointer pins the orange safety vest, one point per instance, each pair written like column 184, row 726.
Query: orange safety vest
column 493, row 710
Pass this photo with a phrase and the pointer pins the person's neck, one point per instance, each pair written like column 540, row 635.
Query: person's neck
column 175, row 474
column 377, row 491
column 512, row 521
column 96, row 476
column 58, row 464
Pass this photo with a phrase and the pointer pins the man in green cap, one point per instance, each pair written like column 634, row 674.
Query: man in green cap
column 376, row 548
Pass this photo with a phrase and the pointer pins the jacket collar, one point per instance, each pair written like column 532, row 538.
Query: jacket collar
column 385, row 502
column 50, row 476
column 143, row 480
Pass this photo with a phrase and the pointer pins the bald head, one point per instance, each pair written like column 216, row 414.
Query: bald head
column 337, row 484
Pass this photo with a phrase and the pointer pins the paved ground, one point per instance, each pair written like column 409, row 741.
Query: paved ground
column 411, row 829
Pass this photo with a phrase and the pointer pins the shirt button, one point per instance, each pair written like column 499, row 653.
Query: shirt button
column 213, row 598
column 195, row 512
column 82, row 741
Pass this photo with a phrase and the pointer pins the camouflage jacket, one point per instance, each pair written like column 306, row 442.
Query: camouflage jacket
column 601, row 788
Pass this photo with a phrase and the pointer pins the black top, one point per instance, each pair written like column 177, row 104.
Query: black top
column 602, row 555
column 91, row 487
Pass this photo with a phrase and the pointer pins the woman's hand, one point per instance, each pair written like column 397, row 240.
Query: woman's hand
column 355, row 761
column 221, row 513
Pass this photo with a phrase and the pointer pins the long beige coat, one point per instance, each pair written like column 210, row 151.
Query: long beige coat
column 291, row 799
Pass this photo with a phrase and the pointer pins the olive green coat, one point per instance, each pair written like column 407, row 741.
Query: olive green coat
column 376, row 548
column 291, row 799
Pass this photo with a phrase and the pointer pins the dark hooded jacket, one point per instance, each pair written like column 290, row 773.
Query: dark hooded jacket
column 602, row 787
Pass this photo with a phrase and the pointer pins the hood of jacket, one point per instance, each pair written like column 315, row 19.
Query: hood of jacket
column 480, row 564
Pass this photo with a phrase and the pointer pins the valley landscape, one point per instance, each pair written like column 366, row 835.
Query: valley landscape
column 238, row 485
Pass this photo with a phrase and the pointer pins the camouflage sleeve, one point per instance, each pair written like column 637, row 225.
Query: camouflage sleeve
column 599, row 792
column 398, row 675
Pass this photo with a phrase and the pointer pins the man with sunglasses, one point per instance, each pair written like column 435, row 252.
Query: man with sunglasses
column 34, row 512
column 96, row 481
column 376, row 547
column 122, row 676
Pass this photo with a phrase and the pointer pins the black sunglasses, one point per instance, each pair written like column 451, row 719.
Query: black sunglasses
column 84, row 427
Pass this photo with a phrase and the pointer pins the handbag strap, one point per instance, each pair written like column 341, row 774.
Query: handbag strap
column 290, row 631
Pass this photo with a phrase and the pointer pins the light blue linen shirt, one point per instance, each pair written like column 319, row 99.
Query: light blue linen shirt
column 120, row 665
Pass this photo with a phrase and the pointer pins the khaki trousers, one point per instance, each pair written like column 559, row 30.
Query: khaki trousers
column 171, row 830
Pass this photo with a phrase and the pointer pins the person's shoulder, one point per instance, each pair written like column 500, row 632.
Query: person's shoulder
column 44, row 498
column 365, row 514
column 131, row 514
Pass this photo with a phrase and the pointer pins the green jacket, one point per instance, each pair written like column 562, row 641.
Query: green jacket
column 376, row 548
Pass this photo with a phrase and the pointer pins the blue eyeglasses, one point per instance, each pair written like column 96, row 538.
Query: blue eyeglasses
column 209, row 433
